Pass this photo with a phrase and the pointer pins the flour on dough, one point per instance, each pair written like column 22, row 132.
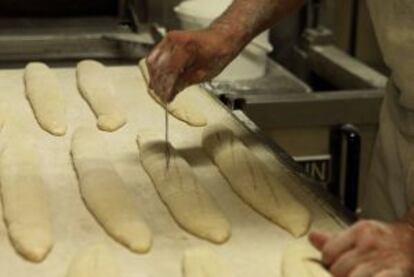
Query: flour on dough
column 105, row 193
column 45, row 96
column 301, row 259
column 180, row 108
column 25, row 197
column 4, row 113
column 254, row 182
column 95, row 85
column 203, row 262
column 94, row 261
column 191, row 206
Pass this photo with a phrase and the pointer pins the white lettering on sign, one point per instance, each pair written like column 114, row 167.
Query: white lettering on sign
column 316, row 167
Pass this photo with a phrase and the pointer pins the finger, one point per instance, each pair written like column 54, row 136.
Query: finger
column 184, row 80
column 319, row 239
column 156, row 67
column 338, row 245
column 183, row 64
column 194, row 76
column 176, row 90
column 152, row 58
column 346, row 263
column 390, row 273
column 172, row 64
column 166, row 84
column 365, row 270
column 153, row 55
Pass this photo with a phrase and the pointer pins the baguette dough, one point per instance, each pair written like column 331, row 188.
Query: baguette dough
column 94, row 261
column 95, row 86
column 45, row 96
column 301, row 259
column 105, row 193
column 25, row 200
column 179, row 108
column 4, row 114
column 202, row 262
column 254, row 182
column 191, row 206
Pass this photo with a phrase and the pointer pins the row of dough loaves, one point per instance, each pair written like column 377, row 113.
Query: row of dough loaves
column 27, row 213
column 46, row 98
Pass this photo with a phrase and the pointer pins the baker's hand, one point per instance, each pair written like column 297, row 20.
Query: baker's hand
column 368, row 248
column 184, row 58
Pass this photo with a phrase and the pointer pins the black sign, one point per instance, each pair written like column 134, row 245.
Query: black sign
column 317, row 167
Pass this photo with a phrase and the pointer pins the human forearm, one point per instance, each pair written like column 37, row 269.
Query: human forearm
column 408, row 217
column 184, row 58
column 245, row 19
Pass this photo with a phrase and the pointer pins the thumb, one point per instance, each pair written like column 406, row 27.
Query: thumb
column 319, row 239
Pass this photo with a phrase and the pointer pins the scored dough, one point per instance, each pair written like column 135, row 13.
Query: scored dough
column 97, row 89
column 301, row 259
column 45, row 96
column 180, row 108
column 25, row 198
column 191, row 206
column 254, row 182
column 94, row 261
column 105, row 193
column 202, row 262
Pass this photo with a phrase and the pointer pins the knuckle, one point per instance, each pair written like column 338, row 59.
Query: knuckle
column 335, row 268
column 326, row 259
column 368, row 243
column 363, row 226
column 150, row 59
column 169, row 37
column 364, row 223
column 327, row 256
column 334, row 271
column 173, row 34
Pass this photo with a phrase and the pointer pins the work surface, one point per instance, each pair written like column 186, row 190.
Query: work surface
column 256, row 245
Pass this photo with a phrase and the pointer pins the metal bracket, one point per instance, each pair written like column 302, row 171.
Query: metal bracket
column 345, row 157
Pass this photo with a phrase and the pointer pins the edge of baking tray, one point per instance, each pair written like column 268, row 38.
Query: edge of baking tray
column 329, row 204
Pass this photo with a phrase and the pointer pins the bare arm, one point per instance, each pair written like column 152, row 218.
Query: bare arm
column 184, row 58
column 245, row 18
column 409, row 217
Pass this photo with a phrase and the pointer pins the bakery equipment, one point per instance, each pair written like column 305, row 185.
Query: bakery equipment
column 64, row 30
column 119, row 39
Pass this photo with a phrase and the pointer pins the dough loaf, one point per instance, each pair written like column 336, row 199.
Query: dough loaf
column 45, row 96
column 25, row 197
column 180, row 108
column 94, row 261
column 191, row 206
column 202, row 262
column 95, row 86
column 4, row 114
column 254, row 182
column 301, row 259
column 105, row 194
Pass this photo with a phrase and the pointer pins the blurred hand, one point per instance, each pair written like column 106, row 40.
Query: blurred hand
column 184, row 58
column 368, row 248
